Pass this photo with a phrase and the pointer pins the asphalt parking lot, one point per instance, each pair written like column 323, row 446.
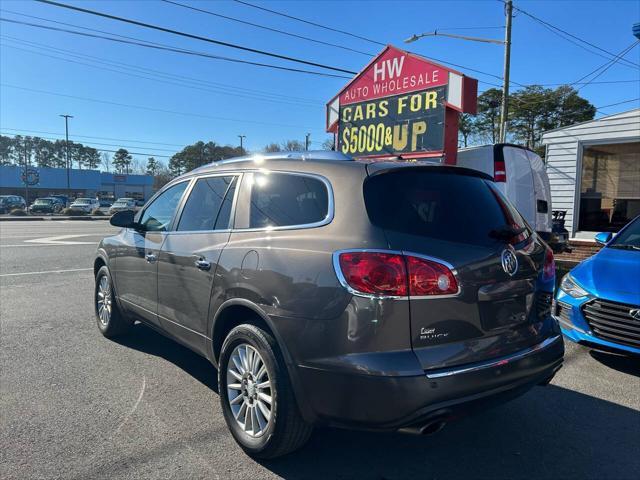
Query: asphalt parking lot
column 75, row 405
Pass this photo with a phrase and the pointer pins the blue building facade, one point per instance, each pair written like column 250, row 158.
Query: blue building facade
column 83, row 183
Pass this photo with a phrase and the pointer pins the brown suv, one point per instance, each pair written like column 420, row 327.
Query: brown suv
column 330, row 291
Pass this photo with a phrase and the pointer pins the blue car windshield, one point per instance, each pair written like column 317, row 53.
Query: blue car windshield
column 629, row 238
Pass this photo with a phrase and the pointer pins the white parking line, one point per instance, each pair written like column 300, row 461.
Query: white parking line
column 45, row 271
column 62, row 240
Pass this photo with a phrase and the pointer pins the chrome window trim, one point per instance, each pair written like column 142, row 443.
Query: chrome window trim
column 498, row 362
column 325, row 221
column 345, row 284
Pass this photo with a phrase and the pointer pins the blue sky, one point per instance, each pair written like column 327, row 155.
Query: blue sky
column 264, row 104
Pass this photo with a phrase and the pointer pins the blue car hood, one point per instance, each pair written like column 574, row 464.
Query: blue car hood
column 611, row 274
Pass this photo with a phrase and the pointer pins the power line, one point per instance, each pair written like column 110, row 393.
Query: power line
column 620, row 103
column 606, row 66
column 172, row 49
column 308, row 22
column 264, row 27
column 161, row 80
column 132, row 153
column 152, row 109
column 558, row 29
column 196, row 37
column 90, row 143
column 99, row 138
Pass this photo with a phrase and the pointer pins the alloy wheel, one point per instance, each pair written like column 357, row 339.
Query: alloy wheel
column 104, row 301
column 249, row 391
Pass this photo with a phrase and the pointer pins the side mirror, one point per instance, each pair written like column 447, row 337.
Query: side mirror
column 124, row 219
column 603, row 238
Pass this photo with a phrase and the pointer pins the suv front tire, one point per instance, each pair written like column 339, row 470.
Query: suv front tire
column 111, row 321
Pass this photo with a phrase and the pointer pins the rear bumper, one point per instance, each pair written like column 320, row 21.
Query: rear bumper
column 393, row 402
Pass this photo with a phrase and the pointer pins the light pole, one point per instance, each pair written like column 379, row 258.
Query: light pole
column 306, row 141
column 242, row 137
column 504, row 109
column 66, row 144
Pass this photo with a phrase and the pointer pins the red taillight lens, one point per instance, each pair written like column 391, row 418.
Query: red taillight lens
column 549, row 269
column 375, row 273
column 393, row 274
column 427, row 277
column 499, row 171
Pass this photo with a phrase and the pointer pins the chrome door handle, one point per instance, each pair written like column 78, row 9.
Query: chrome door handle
column 203, row 264
column 150, row 257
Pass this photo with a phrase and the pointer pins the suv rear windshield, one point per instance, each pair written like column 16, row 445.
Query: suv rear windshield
column 443, row 205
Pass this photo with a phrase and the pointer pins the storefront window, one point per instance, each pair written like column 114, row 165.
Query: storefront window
column 610, row 187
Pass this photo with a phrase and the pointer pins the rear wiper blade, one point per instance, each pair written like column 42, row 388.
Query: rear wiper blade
column 506, row 232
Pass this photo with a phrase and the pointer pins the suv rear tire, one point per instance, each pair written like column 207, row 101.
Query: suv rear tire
column 254, row 386
column 111, row 321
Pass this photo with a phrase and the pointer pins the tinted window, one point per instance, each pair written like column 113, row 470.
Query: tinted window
column 209, row 204
column 279, row 200
column 158, row 215
column 446, row 206
column 630, row 236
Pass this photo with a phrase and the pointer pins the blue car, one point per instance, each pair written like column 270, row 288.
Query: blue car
column 598, row 302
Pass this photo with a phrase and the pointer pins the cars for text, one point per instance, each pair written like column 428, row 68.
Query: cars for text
column 327, row 291
column 598, row 303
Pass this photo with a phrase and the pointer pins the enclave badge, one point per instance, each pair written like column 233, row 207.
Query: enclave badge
column 635, row 313
column 509, row 262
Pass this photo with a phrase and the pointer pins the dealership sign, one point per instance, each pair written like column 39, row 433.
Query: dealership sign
column 401, row 105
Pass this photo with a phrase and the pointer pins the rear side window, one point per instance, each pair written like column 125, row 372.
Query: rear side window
column 446, row 206
column 209, row 205
column 280, row 200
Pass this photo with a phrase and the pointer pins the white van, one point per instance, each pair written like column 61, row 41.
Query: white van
column 520, row 174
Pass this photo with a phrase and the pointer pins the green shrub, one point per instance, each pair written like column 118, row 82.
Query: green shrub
column 72, row 212
column 97, row 212
column 18, row 212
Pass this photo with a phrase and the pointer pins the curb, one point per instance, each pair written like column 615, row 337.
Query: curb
column 50, row 219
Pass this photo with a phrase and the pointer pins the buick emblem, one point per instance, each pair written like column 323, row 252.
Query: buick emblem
column 509, row 262
column 635, row 313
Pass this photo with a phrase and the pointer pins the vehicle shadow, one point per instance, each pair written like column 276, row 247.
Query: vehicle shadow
column 550, row 432
column 147, row 340
column 629, row 364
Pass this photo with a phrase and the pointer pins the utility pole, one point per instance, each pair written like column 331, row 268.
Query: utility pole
column 66, row 144
column 504, row 110
column 306, row 141
column 242, row 137
column 26, row 176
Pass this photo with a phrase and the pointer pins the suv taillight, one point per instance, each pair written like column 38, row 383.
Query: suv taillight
column 499, row 171
column 549, row 268
column 395, row 275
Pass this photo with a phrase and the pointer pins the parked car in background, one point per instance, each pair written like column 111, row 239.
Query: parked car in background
column 105, row 203
column 10, row 202
column 598, row 302
column 520, row 174
column 122, row 204
column 63, row 199
column 87, row 205
column 140, row 202
column 385, row 295
column 46, row 205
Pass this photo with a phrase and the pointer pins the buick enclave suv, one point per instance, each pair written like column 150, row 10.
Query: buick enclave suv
column 382, row 296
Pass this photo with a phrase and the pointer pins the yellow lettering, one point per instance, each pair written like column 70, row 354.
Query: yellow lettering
column 417, row 128
column 371, row 131
column 384, row 108
column 362, row 139
column 416, row 102
column 400, row 134
column 379, row 137
column 402, row 102
column 371, row 111
column 345, row 141
column 358, row 114
column 432, row 100
column 346, row 114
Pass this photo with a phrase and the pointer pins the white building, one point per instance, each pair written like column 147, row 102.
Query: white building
column 594, row 171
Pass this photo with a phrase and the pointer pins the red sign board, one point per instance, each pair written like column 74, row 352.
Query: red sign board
column 401, row 105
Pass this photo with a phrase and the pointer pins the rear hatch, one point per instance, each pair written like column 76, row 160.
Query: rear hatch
column 456, row 217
